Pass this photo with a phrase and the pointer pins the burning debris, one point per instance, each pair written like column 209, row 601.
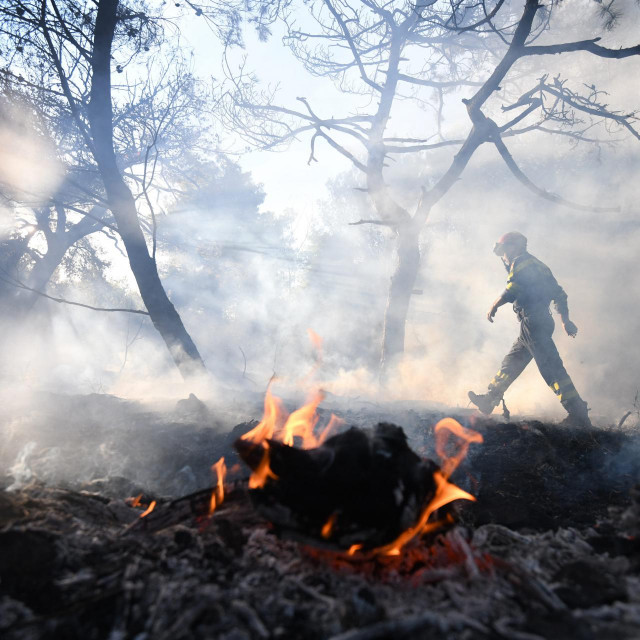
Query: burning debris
column 358, row 488
column 354, row 491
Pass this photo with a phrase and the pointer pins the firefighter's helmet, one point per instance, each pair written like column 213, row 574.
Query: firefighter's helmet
column 513, row 239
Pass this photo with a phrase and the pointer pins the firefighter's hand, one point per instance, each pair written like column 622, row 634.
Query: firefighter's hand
column 570, row 328
column 492, row 312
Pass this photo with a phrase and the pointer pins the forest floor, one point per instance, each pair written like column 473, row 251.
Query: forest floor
column 550, row 549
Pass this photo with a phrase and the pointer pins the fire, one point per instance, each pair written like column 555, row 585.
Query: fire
column 316, row 340
column 149, row 509
column 277, row 423
column 446, row 491
column 135, row 502
column 443, row 430
column 327, row 529
column 302, row 422
column 217, row 495
column 452, row 443
column 333, row 424
column 273, row 416
column 263, row 471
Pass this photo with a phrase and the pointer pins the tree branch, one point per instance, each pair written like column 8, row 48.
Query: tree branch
column 598, row 112
column 438, row 84
column 352, row 46
column 582, row 45
column 547, row 195
column 383, row 223
column 21, row 285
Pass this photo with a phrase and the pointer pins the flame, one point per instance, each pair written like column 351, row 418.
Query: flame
column 446, row 491
column 135, row 502
column 316, row 341
column 274, row 414
column 327, row 528
column 277, row 424
column 263, row 471
column 217, row 495
column 334, row 423
column 149, row 509
column 302, row 422
column 443, row 431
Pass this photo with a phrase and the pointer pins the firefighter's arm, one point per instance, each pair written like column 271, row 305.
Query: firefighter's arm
column 562, row 307
column 504, row 297
column 569, row 327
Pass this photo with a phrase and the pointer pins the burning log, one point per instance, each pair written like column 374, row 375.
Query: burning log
column 358, row 490
column 359, row 487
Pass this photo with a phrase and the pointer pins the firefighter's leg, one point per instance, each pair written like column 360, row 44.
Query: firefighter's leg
column 512, row 366
column 545, row 353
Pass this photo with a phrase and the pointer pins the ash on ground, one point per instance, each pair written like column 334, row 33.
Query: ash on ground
column 549, row 550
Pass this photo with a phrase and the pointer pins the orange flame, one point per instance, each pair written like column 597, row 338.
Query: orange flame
column 327, row 528
column 263, row 471
column 316, row 341
column 446, row 492
column 277, row 423
column 135, row 502
column 443, row 430
column 217, row 495
column 149, row 509
column 334, row 423
column 274, row 415
column 302, row 422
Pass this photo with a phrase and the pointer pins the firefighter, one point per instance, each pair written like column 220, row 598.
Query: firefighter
column 531, row 287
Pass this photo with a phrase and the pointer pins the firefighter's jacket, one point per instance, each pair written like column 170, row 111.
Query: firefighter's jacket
column 532, row 287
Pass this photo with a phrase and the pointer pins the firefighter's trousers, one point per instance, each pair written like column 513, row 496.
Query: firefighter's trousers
column 535, row 342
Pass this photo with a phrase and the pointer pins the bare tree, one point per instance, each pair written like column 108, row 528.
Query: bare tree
column 72, row 47
column 394, row 52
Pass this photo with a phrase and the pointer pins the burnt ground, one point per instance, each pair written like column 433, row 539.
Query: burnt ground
column 549, row 550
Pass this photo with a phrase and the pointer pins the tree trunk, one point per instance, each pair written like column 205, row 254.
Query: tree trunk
column 400, row 290
column 163, row 314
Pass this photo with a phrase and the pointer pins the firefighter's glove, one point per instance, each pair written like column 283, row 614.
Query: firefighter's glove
column 570, row 328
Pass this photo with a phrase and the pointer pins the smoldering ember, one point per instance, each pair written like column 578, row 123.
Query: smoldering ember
column 259, row 371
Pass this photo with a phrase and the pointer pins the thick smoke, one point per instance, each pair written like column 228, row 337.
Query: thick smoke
column 249, row 281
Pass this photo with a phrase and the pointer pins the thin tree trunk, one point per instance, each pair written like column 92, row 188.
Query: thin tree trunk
column 400, row 289
column 163, row 314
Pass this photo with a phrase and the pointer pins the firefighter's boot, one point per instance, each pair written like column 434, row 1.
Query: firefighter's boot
column 578, row 413
column 486, row 402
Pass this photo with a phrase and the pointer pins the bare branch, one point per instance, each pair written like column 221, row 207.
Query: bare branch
column 436, row 84
column 384, row 223
column 589, row 106
column 582, row 45
column 422, row 147
column 21, row 285
column 343, row 151
column 352, row 46
column 487, row 19
column 547, row 195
